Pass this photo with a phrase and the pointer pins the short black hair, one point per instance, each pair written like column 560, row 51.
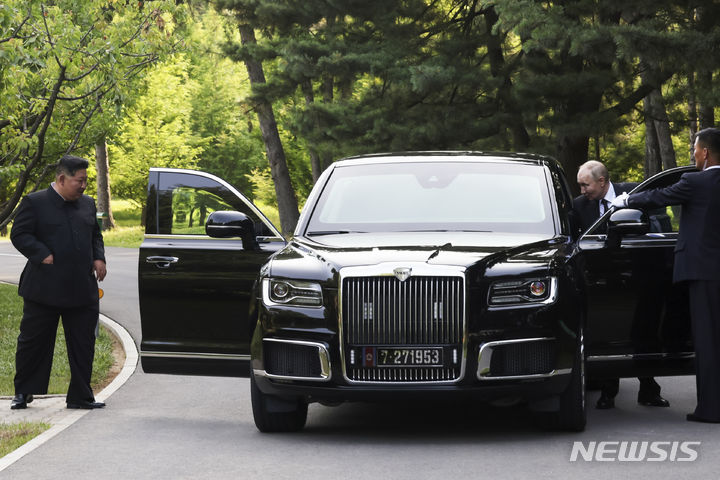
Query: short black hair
column 710, row 139
column 70, row 164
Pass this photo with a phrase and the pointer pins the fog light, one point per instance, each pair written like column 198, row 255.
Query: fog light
column 537, row 289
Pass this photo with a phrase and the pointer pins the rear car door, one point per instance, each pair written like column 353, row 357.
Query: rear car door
column 638, row 321
column 195, row 290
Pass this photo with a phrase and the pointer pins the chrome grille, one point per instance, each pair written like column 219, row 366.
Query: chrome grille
column 420, row 311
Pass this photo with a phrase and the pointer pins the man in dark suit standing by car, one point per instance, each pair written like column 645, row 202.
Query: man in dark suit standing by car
column 697, row 261
column 598, row 192
column 56, row 229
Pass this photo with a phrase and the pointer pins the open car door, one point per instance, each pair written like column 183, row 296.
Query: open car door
column 195, row 290
column 638, row 321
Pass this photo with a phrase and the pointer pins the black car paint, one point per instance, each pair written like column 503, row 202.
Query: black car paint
column 586, row 269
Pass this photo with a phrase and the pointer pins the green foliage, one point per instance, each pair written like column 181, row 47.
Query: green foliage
column 64, row 71
column 156, row 130
column 128, row 237
column 129, row 233
column 191, row 114
column 357, row 77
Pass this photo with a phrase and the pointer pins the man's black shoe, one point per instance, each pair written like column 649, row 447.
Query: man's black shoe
column 85, row 405
column 653, row 401
column 691, row 417
column 605, row 402
column 20, row 401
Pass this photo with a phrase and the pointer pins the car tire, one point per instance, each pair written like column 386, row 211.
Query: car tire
column 572, row 415
column 570, row 404
column 276, row 414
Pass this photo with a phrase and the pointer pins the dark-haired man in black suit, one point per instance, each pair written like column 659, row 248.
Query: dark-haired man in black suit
column 56, row 229
column 697, row 261
column 598, row 192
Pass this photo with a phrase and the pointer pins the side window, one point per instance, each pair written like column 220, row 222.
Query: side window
column 663, row 219
column 185, row 200
column 190, row 209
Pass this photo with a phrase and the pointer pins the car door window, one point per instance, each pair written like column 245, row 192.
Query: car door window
column 185, row 200
column 663, row 219
column 190, row 209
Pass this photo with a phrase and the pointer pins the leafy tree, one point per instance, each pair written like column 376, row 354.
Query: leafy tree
column 526, row 75
column 156, row 130
column 586, row 64
column 62, row 65
column 220, row 116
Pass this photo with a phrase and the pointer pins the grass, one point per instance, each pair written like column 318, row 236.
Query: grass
column 13, row 435
column 128, row 232
column 128, row 237
column 10, row 315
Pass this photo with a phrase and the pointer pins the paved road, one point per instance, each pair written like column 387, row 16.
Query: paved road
column 158, row 427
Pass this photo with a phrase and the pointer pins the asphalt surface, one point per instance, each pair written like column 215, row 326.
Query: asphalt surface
column 159, row 426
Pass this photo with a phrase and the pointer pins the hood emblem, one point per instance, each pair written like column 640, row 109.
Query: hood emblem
column 402, row 273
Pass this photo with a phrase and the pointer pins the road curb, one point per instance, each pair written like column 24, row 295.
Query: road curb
column 131, row 360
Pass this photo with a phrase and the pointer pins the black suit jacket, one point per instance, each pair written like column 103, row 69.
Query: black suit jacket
column 588, row 211
column 697, row 252
column 45, row 224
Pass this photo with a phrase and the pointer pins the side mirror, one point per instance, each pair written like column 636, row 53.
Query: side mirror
column 227, row 224
column 628, row 221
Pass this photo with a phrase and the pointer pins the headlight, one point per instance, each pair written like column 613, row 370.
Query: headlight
column 523, row 292
column 291, row 292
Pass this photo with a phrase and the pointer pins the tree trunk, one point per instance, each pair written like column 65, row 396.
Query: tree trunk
column 707, row 110
column 102, row 165
column 315, row 160
column 516, row 125
column 662, row 129
column 287, row 202
column 692, row 113
column 659, row 152
column 652, row 148
column 572, row 151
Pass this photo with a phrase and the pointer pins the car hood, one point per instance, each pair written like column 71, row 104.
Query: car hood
column 325, row 255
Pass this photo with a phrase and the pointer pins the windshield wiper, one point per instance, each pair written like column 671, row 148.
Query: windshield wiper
column 449, row 230
column 330, row 232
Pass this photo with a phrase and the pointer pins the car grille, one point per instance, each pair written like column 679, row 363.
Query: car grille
column 289, row 360
column 523, row 358
column 420, row 311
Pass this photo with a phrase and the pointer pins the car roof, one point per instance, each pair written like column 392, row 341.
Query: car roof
column 447, row 156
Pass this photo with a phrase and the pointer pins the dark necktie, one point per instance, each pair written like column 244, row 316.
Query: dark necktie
column 605, row 205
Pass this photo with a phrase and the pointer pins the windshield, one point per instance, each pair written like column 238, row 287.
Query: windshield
column 434, row 196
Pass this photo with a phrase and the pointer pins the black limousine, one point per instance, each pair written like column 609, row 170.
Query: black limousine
column 430, row 273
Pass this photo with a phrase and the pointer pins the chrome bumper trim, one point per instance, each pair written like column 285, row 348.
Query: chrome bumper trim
column 323, row 355
column 485, row 357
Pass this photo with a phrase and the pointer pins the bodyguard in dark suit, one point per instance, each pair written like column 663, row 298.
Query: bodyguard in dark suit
column 56, row 229
column 697, row 261
column 598, row 192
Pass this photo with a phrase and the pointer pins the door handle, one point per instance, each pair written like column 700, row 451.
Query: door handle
column 162, row 262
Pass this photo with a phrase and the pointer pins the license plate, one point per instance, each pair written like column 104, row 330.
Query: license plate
column 422, row 357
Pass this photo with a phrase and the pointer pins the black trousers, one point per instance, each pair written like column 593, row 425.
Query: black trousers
column 705, row 318
column 648, row 387
column 36, row 345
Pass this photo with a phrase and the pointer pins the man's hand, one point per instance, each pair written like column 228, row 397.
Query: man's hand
column 48, row 260
column 620, row 201
column 100, row 270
